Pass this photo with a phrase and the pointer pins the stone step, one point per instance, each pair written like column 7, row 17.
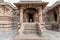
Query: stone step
column 30, row 37
column 30, row 25
column 30, row 31
column 30, row 28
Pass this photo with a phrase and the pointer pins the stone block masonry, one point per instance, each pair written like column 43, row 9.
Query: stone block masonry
column 8, row 29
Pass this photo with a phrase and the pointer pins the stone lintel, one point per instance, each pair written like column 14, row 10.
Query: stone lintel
column 31, row 4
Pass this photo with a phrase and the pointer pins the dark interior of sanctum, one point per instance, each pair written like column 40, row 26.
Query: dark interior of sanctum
column 31, row 14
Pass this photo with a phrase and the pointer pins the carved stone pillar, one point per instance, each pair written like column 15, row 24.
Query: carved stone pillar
column 21, row 15
column 41, row 23
column 40, row 14
column 21, row 21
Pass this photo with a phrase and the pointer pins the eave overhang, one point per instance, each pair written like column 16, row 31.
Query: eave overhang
column 54, row 6
column 34, row 4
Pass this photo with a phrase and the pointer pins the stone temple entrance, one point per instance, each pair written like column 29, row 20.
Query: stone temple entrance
column 30, row 15
column 31, row 12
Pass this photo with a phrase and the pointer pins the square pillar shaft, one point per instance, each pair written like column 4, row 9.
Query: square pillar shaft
column 21, row 15
column 40, row 14
column 21, row 22
column 41, row 23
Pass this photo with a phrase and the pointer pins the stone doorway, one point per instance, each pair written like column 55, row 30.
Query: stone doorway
column 30, row 17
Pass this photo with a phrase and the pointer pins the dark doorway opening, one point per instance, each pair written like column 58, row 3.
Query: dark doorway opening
column 30, row 17
column 55, row 16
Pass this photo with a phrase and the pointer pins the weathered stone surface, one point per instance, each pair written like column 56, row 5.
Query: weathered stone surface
column 8, row 33
column 9, row 20
column 6, row 15
column 52, row 35
column 6, row 18
column 6, row 11
column 53, row 16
